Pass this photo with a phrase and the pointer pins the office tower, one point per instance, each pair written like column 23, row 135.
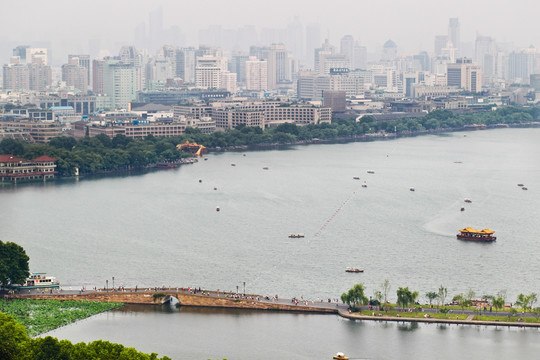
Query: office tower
column 535, row 81
column 465, row 75
column 228, row 81
column 20, row 51
column 486, row 57
column 97, row 76
column 185, row 64
column 238, row 65
column 75, row 75
column 454, row 33
column 389, row 53
column 347, row 47
column 130, row 55
column 295, row 38
column 313, row 40
column 521, row 65
column 208, row 72
column 421, row 61
column 327, row 58
column 36, row 55
column 359, row 56
column 34, row 76
column 155, row 29
column 279, row 68
column 119, row 81
column 440, row 43
column 256, row 74
column 84, row 61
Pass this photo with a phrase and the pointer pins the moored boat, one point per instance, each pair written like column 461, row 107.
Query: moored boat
column 340, row 356
column 471, row 234
column 39, row 281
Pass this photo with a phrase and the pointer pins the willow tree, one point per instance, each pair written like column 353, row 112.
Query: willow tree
column 355, row 296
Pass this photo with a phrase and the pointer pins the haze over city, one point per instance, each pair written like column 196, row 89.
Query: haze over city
column 105, row 26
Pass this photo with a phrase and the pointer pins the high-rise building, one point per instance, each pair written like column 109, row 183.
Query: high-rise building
column 347, row 47
column 389, row 53
column 279, row 67
column 228, row 81
column 34, row 76
column 130, row 55
column 238, row 66
column 20, row 51
column 185, row 64
column 486, row 57
column 359, row 60
column 256, row 74
column 440, row 43
column 208, row 72
column 295, row 38
column 116, row 80
column 313, row 40
column 454, row 33
column 75, row 75
column 465, row 75
column 84, row 61
column 521, row 65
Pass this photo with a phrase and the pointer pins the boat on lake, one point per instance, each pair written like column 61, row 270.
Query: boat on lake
column 468, row 201
column 296, row 236
column 354, row 270
column 524, row 188
column 340, row 356
column 471, row 234
column 371, row 172
column 39, row 281
column 411, row 189
column 356, row 177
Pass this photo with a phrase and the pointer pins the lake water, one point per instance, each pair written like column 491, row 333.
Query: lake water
column 162, row 228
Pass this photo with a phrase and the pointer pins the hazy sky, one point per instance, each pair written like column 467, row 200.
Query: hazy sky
column 411, row 24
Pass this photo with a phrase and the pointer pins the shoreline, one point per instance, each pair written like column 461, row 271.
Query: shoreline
column 220, row 300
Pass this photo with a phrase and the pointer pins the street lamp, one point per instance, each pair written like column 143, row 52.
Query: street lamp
column 113, row 282
column 107, row 285
column 237, row 289
column 244, row 288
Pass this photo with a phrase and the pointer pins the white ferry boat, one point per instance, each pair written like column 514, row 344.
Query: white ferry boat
column 39, row 281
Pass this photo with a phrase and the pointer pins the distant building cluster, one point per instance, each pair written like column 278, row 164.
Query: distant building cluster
column 285, row 76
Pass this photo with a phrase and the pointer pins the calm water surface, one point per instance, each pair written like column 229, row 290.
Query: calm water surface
column 162, row 228
column 245, row 335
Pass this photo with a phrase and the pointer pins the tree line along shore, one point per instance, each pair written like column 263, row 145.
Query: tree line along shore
column 102, row 154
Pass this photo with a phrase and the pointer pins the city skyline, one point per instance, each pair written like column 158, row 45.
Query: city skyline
column 69, row 27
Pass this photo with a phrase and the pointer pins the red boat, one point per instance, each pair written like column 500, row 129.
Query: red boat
column 471, row 234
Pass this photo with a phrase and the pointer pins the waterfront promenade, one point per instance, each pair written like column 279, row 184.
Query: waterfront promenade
column 231, row 300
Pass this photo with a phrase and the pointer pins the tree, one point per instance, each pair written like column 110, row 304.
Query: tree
column 386, row 289
column 498, row 302
column 432, row 295
column 406, row 297
column 355, row 296
column 12, row 334
column 442, row 294
column 13, row 264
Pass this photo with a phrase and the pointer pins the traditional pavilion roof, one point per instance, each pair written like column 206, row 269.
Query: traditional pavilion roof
column 9, row 159
column 44, row 158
